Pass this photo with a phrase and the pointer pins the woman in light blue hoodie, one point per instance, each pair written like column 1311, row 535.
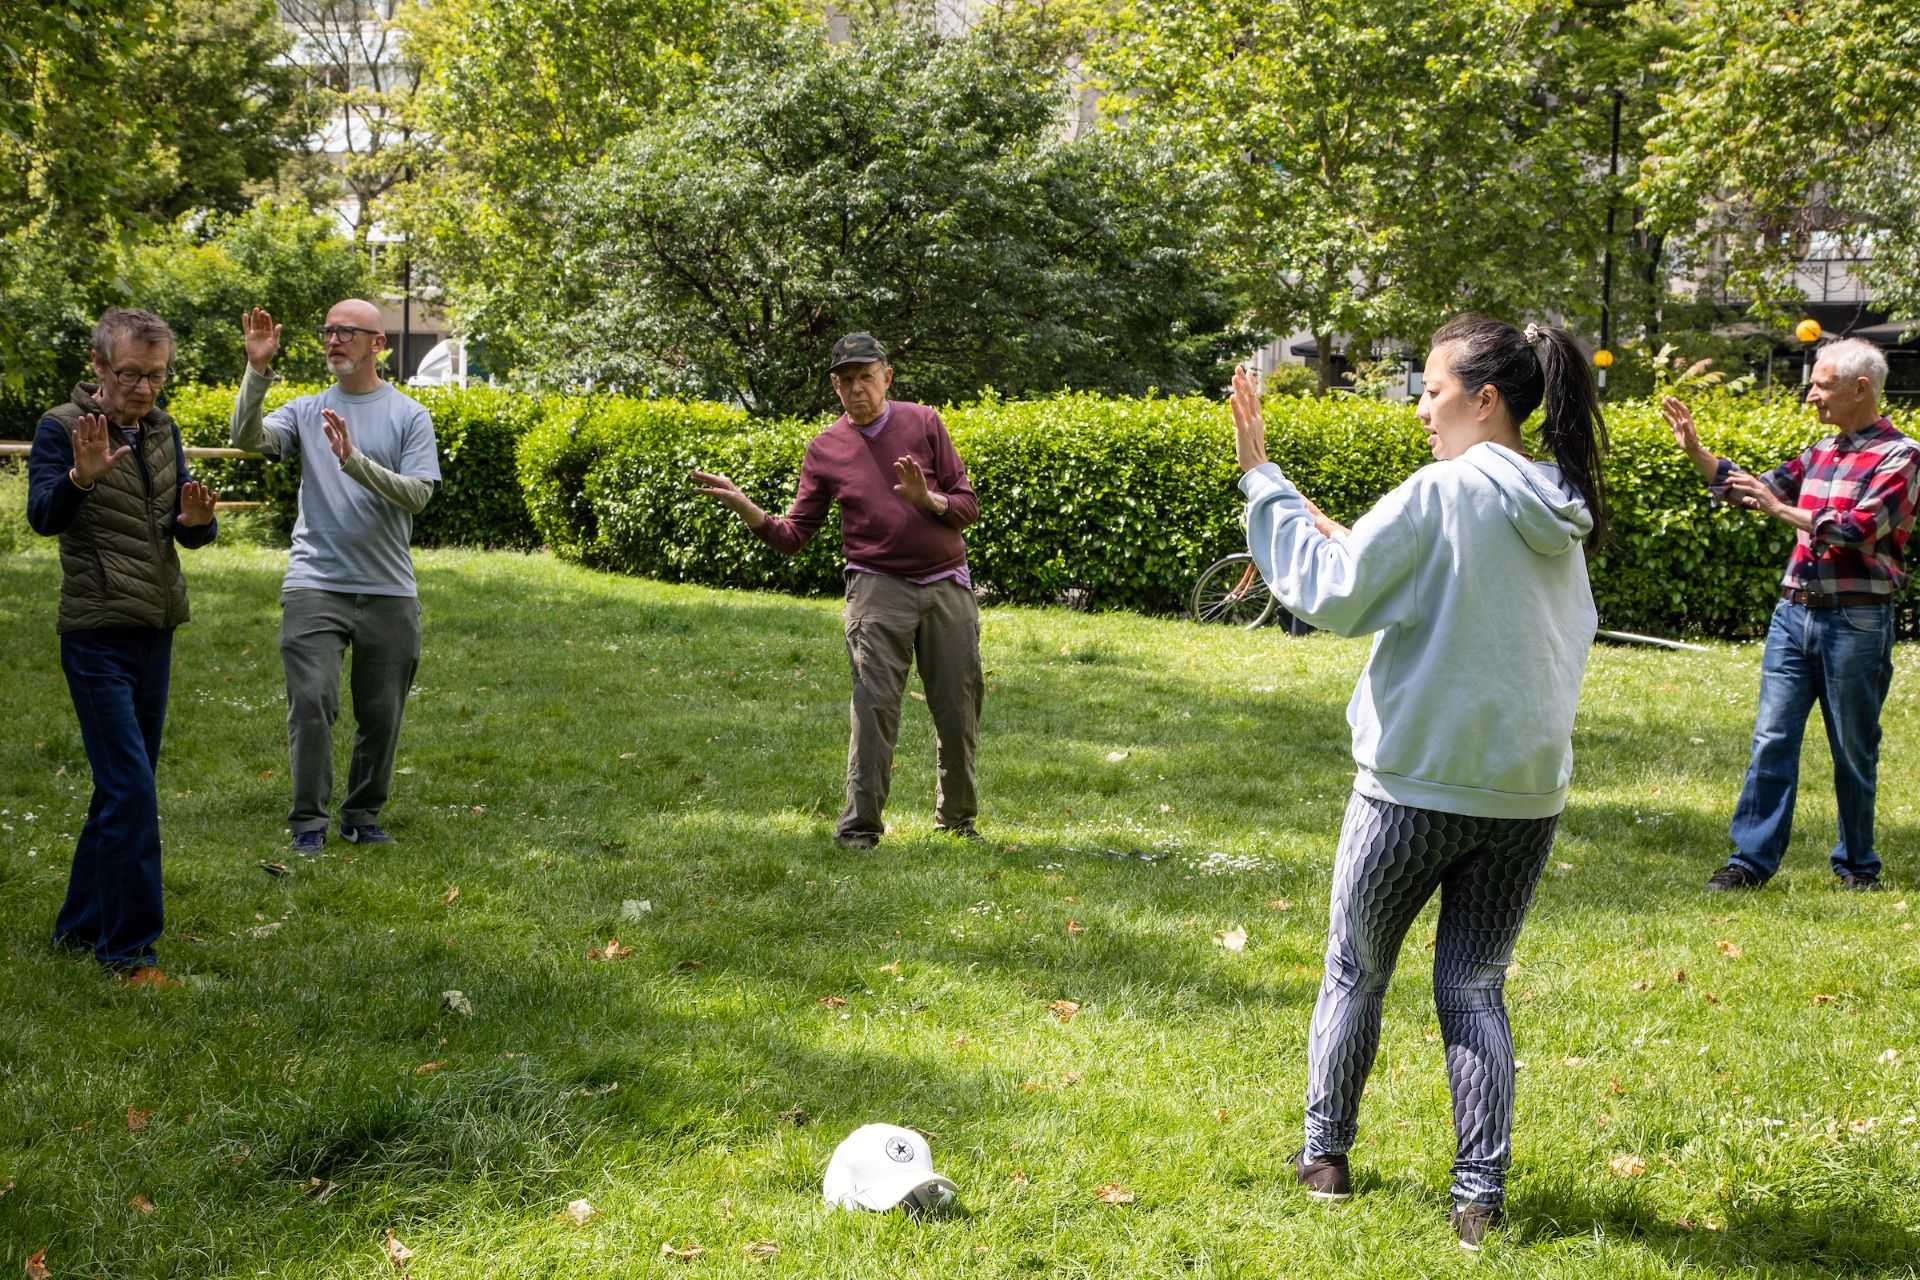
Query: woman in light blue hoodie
column 1472, row 579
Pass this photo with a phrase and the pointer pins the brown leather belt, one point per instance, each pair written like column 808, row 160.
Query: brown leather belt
column 1819, row 600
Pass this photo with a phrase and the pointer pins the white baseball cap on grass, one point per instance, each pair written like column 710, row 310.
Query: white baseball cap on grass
column 883, row 1166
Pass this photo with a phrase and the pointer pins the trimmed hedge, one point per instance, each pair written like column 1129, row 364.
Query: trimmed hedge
column 1112, row 503
column 476, row 432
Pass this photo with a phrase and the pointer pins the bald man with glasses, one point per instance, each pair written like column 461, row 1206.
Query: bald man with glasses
column 368, row 466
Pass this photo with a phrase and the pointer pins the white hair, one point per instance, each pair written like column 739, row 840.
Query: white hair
column 1857, row 358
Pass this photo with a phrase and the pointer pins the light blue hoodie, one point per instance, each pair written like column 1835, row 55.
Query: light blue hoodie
column 1473, row 576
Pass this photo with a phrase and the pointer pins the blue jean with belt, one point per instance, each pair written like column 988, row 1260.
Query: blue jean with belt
column 118, row 677
column 1842, row 659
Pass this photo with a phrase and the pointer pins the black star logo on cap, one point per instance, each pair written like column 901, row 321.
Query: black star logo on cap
column 900, row 1149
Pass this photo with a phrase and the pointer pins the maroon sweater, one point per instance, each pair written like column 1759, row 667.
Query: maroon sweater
column 879, row 529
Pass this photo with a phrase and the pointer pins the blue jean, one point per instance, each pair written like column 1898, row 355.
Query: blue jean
column 1843, row 660
column 118, row 677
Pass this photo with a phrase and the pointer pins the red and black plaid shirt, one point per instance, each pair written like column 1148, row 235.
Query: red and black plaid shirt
column 1860, row 487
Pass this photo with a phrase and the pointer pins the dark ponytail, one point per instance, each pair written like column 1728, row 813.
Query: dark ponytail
column 1543, row 365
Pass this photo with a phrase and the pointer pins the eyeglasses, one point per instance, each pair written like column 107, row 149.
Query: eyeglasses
column 341, row 332
column 131, row 378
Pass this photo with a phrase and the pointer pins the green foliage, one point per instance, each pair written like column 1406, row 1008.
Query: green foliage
column 209, row 268
column 116, row 115
column 1784, row 121
column 476, row 431
column 909, row 186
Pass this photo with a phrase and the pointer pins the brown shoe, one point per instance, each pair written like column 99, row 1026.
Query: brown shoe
column 149, row 978
column 1472, row 1222
column 1326, row 1178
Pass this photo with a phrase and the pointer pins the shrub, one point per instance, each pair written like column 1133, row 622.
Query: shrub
column 476, row 432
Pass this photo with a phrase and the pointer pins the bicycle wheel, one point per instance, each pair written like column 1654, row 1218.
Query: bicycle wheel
column 1232, row 592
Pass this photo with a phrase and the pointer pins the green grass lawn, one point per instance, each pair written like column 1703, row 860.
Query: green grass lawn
column 578, row 743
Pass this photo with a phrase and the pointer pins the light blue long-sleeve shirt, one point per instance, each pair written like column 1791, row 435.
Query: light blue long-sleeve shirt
column 1472, row 579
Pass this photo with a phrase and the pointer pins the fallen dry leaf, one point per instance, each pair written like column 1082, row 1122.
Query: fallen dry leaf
column 1615, row 1088
column 37, row 1266
column 1031, row 1086
column 275, row 868
column 1279, row 904
column 890, row 968
column 1220, row 1114
column 266, row 930
column 1642, row 985
column 1234, row 939
column 579, row 1212
column 1680, row 977
column 1728, row 949
column 686, row 1253
column 612, row 951
column 397, row 1253
column 137, row 1119
column 239, row 1157
column 142, row 1204
column 428, row 1068
column 1069, row 1077
column 916, row 695
column 957, row 1041
column 456, row 1002
column 761, row 1251
column 832, row 1002
column 1823, row 999
column 1115, row 757
column 319, row 1190
column 1709, row 997
column 688, row 966
column 1890, row 1056
column 1113, row 1194
column 1074, row 926
column 1627, row 1166
column 1065, row 1009
column 453, row 891
column 6, row 1185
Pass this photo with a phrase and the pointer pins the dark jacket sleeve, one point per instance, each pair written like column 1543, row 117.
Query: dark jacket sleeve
column 53, row 500
column 188, row 536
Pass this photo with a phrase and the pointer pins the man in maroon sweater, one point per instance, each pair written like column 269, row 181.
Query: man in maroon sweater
column 904, row 498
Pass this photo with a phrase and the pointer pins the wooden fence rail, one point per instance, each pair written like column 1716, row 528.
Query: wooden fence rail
column 21, row 448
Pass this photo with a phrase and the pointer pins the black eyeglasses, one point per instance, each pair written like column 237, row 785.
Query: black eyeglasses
column 344, row 332
column 131, row 378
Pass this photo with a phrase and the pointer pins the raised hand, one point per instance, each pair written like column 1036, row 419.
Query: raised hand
column 91, row 460
column 913, row 481
column 1680, row 422
column 1249, row 428
column 263, row 338
column 727, row 494
column 337, row 438
column 196, row 504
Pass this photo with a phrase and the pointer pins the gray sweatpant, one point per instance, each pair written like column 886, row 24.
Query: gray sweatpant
column 1392, row 859
column 891, row 623
column 316, row 628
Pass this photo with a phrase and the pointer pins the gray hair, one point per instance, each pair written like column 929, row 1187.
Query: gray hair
column 121, row 323
column 1857, row 358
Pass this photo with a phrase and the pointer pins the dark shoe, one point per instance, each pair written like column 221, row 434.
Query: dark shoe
column 368, row 834
column 308, row 844
column 1861, row 883
column 856, row 842
column 1733, row 876
column 1325, row 1179
column 963, row 832
column 1471, row 1222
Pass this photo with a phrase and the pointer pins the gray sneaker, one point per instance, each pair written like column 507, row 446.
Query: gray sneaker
column 1326, row 1178
column 1733, row 876
column 1472, row 1222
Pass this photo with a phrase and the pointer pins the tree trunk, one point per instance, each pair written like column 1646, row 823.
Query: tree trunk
column 1323, row 360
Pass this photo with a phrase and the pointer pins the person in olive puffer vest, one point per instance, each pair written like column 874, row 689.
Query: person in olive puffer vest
column 108, row 475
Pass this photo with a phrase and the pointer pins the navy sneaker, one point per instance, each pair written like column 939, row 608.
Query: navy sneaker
column 366, row 834
column 1326, row 1178
column 308, row 844
column 1472, row 1222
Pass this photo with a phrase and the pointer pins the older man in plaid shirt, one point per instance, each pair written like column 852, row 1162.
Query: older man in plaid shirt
column 1850, row 498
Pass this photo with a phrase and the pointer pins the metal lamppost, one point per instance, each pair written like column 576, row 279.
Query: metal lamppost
column 1603, row 358
column 1808, row 332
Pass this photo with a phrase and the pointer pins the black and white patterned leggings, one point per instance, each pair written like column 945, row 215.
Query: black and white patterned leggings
column 1391, row 860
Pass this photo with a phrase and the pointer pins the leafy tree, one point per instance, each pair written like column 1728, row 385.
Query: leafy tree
column 1786, row 121
column 207, row 269
column 1373, row 167
column 915, row 187
column 517, row 95
column 115, row 116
